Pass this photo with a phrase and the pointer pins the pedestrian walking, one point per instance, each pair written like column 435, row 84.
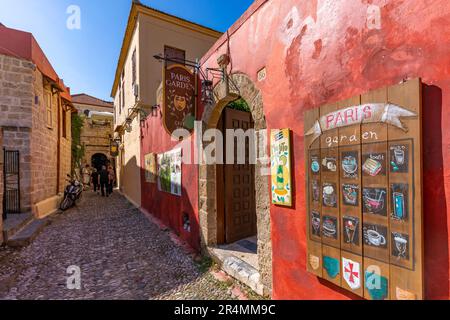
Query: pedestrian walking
column 95, row 180
column 86, row 173
column 103, row 177
column 111, row 179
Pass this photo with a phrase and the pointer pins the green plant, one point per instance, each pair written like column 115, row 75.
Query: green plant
column 78, row 149
column 239, row 104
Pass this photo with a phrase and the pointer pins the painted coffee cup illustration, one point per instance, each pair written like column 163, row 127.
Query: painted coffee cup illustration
column 350, row 165
column 375, row 238
column 329, row 196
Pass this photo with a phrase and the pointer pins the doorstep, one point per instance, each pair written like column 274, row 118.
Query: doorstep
column 237, row 268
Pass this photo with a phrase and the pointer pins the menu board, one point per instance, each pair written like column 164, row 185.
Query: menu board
column 364, row 186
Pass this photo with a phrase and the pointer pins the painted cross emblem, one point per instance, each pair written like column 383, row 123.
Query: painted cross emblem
column 352, row 273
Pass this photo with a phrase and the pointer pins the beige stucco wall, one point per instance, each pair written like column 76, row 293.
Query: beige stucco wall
column 149, row 38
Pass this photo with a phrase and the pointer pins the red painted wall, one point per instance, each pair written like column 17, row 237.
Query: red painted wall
column 167, row 207
column 317, row 52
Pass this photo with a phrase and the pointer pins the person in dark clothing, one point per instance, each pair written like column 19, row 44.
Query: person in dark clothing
column 104, row 180
column 95, row 180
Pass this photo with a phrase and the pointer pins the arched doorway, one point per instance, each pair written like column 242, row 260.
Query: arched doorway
column 209, row 203
column 98, row 160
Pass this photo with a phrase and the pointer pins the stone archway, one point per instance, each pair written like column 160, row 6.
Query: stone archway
column 207, row 174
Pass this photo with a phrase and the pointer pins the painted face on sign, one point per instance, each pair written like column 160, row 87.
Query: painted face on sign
column 179, row 102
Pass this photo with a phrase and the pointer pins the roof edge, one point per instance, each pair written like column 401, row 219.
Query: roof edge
column 137, row 8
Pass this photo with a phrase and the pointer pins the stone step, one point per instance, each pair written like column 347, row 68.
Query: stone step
column 14, row 223
column 28, row 233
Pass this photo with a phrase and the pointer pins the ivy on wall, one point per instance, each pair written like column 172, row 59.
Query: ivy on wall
column 239, row 104
column 78, row 149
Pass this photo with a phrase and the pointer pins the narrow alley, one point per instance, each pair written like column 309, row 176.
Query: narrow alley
column 121, row 255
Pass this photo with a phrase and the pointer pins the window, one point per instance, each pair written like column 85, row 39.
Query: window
column 178, row 55
column 133, row 67
column 48, row 109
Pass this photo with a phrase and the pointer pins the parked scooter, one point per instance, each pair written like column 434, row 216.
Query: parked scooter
column 72, row 193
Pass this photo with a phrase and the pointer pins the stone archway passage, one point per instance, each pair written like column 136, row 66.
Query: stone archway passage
column 98, row 160
column 207, row 174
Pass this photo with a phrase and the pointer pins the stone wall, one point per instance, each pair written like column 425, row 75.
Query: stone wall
column 16, row 103
column 1, row 186
column 96, row 139
column 23, row 118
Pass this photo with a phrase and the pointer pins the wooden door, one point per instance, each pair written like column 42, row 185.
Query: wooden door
column 239, row 179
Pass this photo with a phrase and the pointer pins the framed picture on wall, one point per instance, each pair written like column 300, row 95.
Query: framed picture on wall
column 280, row 146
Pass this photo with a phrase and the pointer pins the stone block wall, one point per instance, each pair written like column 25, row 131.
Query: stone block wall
column 23, row 118
column 16, row 103
column 96, row 139
column 1, row 186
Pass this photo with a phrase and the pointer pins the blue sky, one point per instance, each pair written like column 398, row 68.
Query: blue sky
column 86, row 59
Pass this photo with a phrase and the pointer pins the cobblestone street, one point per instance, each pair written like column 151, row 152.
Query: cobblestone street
column 121, row 254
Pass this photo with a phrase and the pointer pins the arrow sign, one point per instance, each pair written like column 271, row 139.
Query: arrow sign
column 365, row 113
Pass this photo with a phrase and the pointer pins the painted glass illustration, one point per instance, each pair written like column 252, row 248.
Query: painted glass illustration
column 351, row 230
column 350, row 194
column 350, row 164
column 169, row 172
column 315, row 223
column 315, row 191
column 329, row 195
column 330, row 227
column 399, row 201
column 281, row 167
column 399, row 158
column 400, row 246
column 375, row 201
column 374, row 164
column 375, row 235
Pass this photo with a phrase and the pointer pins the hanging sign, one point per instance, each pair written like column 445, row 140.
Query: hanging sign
column 281, row 167
column 179, row 107
column 366, row 113
column 114, row 149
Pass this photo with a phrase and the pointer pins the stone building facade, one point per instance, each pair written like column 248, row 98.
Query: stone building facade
column 1, row 187
column 97, row 131
column 35, row 117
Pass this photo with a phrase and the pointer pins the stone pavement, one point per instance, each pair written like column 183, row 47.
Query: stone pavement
column 120, row 253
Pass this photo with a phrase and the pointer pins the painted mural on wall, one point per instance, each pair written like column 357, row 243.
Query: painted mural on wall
column 281, row 167
column 370, row 211
column 150, row 168
column 169, row 172
column 179, row 106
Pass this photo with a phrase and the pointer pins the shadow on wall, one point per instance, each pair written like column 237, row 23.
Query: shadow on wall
column 175, row 212
column 128, row 180
column 435, row 204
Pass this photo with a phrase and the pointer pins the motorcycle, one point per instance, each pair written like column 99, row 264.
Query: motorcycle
column 72, row 193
